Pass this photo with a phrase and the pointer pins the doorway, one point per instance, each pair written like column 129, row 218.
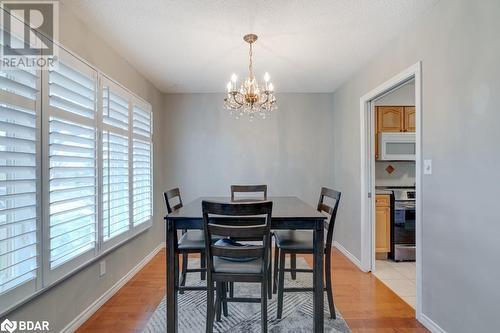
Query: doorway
column 371, row 145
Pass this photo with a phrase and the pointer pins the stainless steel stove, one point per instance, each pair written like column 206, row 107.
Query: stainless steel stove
column 403, row 225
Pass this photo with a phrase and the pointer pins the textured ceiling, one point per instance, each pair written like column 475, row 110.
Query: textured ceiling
column 195, row 45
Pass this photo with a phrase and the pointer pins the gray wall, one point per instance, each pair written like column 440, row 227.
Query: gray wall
column 67, row 300
column 458, row 43
column 404, row 95
column 208, row 150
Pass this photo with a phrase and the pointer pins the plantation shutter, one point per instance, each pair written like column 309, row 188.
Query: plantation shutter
column 116, row 175
column 72, row 165
column 19, row 187
column 75, row 172
column 142, row 164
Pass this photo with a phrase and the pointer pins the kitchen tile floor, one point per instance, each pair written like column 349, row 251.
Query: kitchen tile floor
column 399, row 277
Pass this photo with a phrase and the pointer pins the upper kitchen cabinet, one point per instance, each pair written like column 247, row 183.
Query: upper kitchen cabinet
column 395, row 119
column 390, row 118
column 409, row 119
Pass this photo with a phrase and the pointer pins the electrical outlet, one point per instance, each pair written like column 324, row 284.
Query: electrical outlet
column 102, row 268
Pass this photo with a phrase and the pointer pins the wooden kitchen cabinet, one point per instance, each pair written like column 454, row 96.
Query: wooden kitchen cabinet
column 409, row 119
column 382, row 223
column 395, row 119
column 390, row 118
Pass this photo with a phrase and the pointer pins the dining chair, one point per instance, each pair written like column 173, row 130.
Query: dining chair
column 224, row 265
column 248, row 189
column 255, row 189
column 191, row 241
column 301, row 242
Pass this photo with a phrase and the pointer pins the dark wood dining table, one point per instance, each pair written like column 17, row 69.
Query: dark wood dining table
column 288, row 213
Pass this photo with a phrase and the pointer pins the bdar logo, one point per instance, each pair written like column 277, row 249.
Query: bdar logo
column 8, row 326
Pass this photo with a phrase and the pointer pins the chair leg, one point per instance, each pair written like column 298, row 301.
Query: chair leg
column 203, row 264
column 210, row 306
column 224, row 299
column 231, row 289
column 218, row 300
column 275, row 274
column 269, row 280
column 281, row 282
column 184, row 270
column 329, row 290
column 293, row 266
column 263, row 302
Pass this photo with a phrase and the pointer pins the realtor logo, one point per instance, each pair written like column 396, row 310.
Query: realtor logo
column 8, row 326
column 24, row 325
column 29, row 29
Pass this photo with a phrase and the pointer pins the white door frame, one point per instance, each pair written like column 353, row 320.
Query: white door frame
column 368, row 173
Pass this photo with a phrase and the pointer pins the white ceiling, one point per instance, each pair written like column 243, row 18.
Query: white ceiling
column 195, row 45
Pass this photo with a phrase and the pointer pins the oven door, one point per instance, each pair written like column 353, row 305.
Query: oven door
column 404, row 222
column 403, row 233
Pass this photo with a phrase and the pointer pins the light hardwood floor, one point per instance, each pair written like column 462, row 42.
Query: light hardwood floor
column 366, row 303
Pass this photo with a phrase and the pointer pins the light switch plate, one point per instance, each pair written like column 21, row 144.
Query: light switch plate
column 427, row 167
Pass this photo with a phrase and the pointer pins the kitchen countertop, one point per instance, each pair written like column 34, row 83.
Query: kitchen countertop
column 380, row 191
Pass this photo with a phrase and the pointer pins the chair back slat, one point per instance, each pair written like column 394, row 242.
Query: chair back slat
column 237, row 220
column 332, row 211
column 325, row 208
column 174, row 208
column 237, row 231
column 238, row 208
column 238, row 252
column 168, row 196
column 249, row 189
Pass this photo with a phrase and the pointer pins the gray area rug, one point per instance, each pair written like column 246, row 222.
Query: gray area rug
column 245, row 317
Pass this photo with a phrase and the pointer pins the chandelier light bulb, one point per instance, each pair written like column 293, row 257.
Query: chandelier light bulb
column 271, row 87
column 267, row 77
column 229, row 87
column 234, row 78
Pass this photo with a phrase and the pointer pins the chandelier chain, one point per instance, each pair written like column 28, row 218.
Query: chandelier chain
column 250, row 64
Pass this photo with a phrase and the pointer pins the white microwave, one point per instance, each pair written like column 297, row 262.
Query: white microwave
column 397, row 146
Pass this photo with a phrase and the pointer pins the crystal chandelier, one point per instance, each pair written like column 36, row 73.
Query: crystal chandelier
column 250, row 99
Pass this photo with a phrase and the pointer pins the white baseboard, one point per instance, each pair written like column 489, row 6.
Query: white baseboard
column 349, row 255
column 430, row 324
column 88, row 312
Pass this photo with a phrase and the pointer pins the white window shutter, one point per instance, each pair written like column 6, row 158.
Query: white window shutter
column 72, row 166
column 115, row 164
column 19, row 186
column 142, row 164
column 115, row 185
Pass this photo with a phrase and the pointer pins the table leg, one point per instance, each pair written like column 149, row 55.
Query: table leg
column 171, row 278
column 318, row 324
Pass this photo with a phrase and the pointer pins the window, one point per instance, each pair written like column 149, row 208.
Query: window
column 75, row 173
column 19, row 187
column 126, row 163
